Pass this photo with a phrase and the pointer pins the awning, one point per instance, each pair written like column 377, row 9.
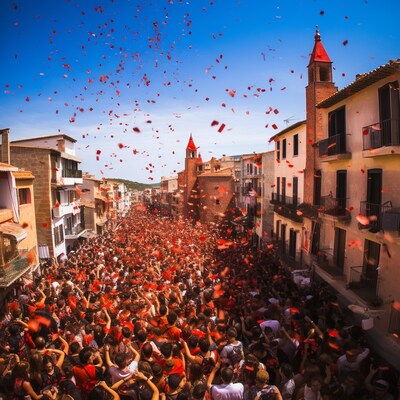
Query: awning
column 12, row 229
column 44, row 251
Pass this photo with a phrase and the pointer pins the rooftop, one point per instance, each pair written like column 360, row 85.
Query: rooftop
column 361, row 82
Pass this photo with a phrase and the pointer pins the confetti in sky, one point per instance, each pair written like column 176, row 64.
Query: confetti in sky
column 132, row 80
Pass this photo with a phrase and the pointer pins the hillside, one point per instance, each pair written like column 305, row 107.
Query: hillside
column 134, row 185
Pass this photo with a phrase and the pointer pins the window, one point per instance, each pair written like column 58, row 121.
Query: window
column 324, row 75
column 337, row 131
column 317, row 187
column 296, row 145
column 217, row 202
column 24, row 196
column 284, row 148
column 58, row 234
column 278, row 150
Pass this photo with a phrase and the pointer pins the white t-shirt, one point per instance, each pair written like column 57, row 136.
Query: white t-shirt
column 230, row 391
column 273, row 324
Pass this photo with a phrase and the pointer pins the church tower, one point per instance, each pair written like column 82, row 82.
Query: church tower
column 191, row 166
column 320, row 86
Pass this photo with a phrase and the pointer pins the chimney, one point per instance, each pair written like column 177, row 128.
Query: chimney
column 5, row 145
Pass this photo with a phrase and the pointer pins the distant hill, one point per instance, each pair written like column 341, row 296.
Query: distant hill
column 134, row 185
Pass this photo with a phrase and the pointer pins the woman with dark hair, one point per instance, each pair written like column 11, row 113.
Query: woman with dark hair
column 21, row 385
column 103, row 392
column 51, row 373
column 195, row 375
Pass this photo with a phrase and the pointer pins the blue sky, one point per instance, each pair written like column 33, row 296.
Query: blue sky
column 134, row 79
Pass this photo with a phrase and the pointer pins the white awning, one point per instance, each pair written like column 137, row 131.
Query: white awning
column 12, row 229
column 43, row 251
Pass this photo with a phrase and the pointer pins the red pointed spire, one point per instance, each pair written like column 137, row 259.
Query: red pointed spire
column 319, row 53
column 191, row 145
column 199, row 159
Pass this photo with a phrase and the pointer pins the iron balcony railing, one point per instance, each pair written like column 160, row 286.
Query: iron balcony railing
column 288, row 212
column 381, row 134
column 285, row 200
column 380, row 216
column 76, row 230
column 332, row 146
column 13, row 269
column 333, row 206
column 364, row 287
column 72, row 173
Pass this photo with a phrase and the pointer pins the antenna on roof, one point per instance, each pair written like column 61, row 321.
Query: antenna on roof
column 287, row 120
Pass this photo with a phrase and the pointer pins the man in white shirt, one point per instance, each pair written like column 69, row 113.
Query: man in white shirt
column 351, row 360
column 227, row 390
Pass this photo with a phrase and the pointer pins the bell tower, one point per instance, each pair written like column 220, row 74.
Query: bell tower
column 320, row 86
column 190, row 177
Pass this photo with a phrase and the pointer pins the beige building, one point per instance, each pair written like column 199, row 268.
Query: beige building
column 59, row 215
column 95, row 200
column 268, row 182
column 288, row 193
column 18, row 241
column 360, row 203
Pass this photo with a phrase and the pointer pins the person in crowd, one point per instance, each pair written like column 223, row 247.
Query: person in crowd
column 166, row 308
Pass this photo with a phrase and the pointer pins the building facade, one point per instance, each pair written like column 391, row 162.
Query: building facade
column 59, row 214
column 18, row 240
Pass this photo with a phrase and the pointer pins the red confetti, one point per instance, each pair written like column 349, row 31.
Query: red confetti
column 221, row 128
column 345, row 43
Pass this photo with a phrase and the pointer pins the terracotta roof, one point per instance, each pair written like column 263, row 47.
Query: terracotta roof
column 221, row 172
column 23, row 174
column 288, row 129
column 362, row 81
column 319, row 53
column 191, row 145
column 199, row 159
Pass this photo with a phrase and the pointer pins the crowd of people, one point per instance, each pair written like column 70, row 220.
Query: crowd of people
column 162, row 308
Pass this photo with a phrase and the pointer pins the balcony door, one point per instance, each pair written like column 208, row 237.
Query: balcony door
column 284, row 190
column 295, row 186
column 315, row 236
column 283, row 238
column 337, row 131
column 374, row 186
column 371, row 263
column 292, row 243
column 389, row 114
column 341, row 188
column 339, row 248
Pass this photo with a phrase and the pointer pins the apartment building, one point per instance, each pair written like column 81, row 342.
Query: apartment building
column 360, row 202
column 59, row 214
column 96, row 202
column 288, row 193
column 18, row 240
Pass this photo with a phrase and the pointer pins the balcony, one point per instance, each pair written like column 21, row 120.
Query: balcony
column 71, row 173
column 324, row 260
column 71, row 177
column 363, row 287
column 333, row 148
column 14, row 268
column 281, row 199
column 334, row 209
column 251, row 191
column 382, row 138
column 288, row 212
column 379, row 217
column 74, row 232
column 64, row 209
